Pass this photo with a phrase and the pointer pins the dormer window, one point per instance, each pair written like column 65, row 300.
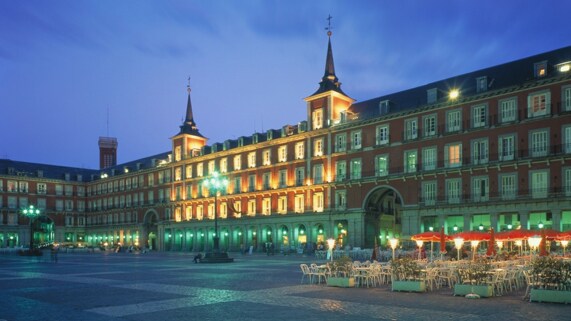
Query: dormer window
column 481, row 84
column 432, row 95
column 540, row 69
column 564, row 67
column 384, row 107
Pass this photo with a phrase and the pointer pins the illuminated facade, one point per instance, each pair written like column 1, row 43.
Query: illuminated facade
column 491, row 148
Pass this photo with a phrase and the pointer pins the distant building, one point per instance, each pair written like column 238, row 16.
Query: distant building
column 490, row 148
column 107, row 152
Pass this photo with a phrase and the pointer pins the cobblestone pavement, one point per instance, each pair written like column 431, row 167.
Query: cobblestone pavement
column 161, row 286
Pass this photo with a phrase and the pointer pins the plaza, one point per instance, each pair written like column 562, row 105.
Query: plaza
column 163, row 285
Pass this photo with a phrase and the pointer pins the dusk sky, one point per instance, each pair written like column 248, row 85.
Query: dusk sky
column 66, row 65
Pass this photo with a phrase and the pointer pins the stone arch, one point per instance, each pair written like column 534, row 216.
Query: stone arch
column 150, row 229
column 383, row 215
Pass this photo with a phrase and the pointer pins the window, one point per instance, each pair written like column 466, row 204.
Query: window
column 299, row 206
column 508, row 187
column 223, row 210
column 538, row 184
column 282, row 178
column 480, row 189
column 431, row 95
column 429, row 192
column 282, row 205
column 266, row 181
column 453, row 121
column 199, row 212
column 567, row 139
column 224, row 165
column 538, row 143
column 318, row 174
column 266, row 157
column 567, row 181
column 237, row 162
column 566, row 98
column 340, row 171
column 178, row 174
column 382, row 135
column 340, row 142
column 538, row 104
column 266, row 206
column 382, row 165
column 318, row 147
column 480, row 151
column 177, row 153
column 481, row 84
column 429, row 125
column 282, row 154
column 59, row 188
column 479, row 116
column 410, row 161
column 540, row 69
column 506, row 147
column 199, row 169
column 356, row 139
column 508, row 110
column 299, row 150
column 318, row 202
column 355, row 168
column 42, row 188
column 453, row 189
column 429, row 158
column 252, row 159
column 59, row 205
column 299, row 176
column 317, row 118
column 411, row 128
column 252, row 182
column 340, row 200
column 453, row 155
column 237, row 185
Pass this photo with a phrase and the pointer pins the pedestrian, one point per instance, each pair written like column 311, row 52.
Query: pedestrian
column 197, row 258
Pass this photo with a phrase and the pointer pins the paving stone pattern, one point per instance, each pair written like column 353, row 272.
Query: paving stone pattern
column 169, row 286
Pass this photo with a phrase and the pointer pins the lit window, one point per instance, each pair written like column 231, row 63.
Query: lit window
column 252, row 159
column 453, row 155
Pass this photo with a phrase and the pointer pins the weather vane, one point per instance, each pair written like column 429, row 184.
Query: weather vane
column 329, row 28
column 188, row 86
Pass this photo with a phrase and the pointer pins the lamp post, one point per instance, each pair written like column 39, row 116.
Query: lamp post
column 533, row 244
column 564, row 244
column 474, row 247
column 394, row 243
column 419, row 243
column 31, row 213
column 331, row 245
column 216, row 184
column 458, row 243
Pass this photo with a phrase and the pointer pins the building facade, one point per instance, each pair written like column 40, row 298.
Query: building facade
column 491, row 148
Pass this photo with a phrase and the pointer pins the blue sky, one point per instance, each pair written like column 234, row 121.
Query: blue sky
column 66, row 65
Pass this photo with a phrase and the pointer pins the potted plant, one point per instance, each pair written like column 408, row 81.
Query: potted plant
column 475, row 280
column 550, row 280
column 407, row 276
column 341, row 269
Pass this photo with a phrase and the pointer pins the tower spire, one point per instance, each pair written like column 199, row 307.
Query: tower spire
column 329, row 80
column 189, row 126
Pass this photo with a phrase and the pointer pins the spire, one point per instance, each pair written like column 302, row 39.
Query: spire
column 329, row 80
column 189, row 126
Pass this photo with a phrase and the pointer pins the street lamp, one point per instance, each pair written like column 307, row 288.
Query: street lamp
column 394, row 243
column 564, row 244
column 31, row 213
column 533, row 244
column 331, row 245
column 419, row 243
column 458, row 243
column 216, row 184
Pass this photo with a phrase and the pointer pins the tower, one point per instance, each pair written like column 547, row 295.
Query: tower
column 107, row 152
column 327, row 106
column 188, row 141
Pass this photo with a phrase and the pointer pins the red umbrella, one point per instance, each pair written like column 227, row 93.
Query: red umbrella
column 564, row 236
column 491, row 244
column 550, row 234
column 429, row 236
column 542, row 245
column 472, row 236
column 514, row 235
